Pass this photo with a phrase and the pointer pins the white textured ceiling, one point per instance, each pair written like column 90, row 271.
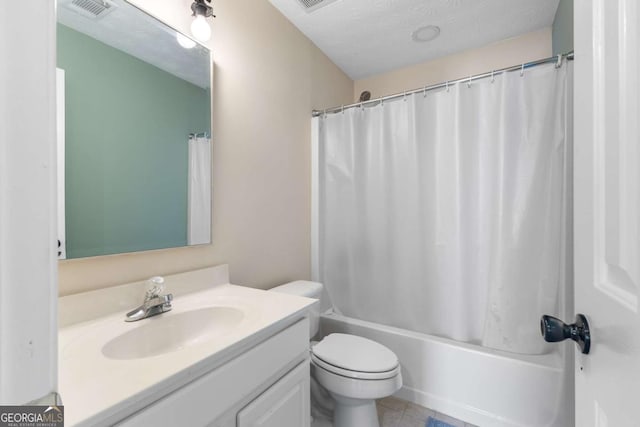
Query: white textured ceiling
column 368, row 37
column 132, row 31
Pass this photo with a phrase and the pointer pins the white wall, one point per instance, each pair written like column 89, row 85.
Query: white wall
column 502, row 54
column 267, row 79
column 28, row 268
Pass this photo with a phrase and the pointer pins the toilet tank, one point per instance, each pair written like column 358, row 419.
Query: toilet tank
column 305, row 288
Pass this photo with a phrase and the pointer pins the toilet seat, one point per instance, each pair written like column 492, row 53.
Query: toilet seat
column 355, row 357
column 359, row 375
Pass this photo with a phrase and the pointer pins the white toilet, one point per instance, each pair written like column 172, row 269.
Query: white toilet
column 353, row 369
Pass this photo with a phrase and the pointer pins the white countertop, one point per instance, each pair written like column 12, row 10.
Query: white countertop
column 97, row 390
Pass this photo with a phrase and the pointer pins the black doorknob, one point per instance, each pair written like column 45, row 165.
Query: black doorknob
column 554, row 330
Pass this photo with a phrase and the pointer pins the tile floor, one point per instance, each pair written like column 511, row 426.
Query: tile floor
column 394, row 412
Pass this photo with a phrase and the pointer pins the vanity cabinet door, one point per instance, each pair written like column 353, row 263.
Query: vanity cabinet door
column 285, row 404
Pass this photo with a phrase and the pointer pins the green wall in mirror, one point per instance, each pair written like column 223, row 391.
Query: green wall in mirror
column 127, row 126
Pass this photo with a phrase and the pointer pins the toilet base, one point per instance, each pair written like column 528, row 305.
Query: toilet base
column 354, row 412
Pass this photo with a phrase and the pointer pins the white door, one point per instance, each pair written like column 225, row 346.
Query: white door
column 607, row 210
column 28, row 265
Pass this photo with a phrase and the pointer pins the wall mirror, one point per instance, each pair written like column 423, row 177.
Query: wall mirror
column 134, row 134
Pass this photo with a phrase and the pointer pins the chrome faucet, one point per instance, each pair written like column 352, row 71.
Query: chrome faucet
column 153, row 304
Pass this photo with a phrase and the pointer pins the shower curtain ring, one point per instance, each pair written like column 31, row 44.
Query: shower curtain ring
column 493, row 78
column 424, row 92
column 522, row 71
column 559, row 61
column 361, row 107
column 342, row 109
column 405, row 96
column 447, row 85
column 469, row 83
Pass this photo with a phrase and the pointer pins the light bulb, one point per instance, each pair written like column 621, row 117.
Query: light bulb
column 185, row 41
column 200, row 28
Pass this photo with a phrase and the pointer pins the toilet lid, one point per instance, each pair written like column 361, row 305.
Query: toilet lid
column 357, row 375
column 355, row 353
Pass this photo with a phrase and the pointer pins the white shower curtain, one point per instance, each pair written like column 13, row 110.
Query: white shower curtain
column 444, row 213
column 199, row 222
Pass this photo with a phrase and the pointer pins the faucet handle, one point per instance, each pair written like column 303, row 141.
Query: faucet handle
column 155, row 286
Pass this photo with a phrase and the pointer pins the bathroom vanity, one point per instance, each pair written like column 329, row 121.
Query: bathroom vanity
column 224, row 356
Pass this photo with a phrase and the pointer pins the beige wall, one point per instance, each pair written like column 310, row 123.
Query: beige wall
column 513, row 51
column 267, row 79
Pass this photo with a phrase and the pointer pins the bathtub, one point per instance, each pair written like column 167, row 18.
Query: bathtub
column 480, row 386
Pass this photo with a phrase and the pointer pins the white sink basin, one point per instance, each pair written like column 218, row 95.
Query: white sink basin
column 169, row 332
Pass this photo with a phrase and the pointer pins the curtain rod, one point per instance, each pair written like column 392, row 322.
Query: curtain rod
column 198, row 135
column 557, row 59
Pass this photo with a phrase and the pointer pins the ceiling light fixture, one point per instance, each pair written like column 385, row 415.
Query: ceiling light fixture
column 200, row 27
column 185, row 41
column 425, row 34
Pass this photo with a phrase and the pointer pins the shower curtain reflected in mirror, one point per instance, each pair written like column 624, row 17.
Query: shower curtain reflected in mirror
column 445, row 213
column 199, row 220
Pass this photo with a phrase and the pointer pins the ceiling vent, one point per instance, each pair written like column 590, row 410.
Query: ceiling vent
column 313, row 5
column 93, row 9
